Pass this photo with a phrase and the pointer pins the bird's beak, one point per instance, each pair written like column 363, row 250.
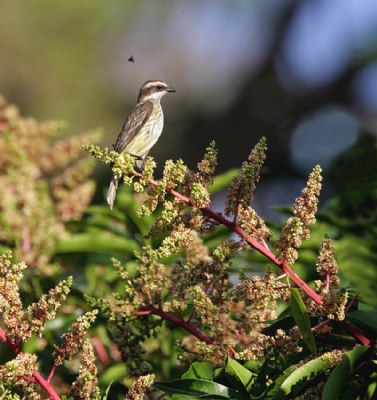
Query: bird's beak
column 171, row 90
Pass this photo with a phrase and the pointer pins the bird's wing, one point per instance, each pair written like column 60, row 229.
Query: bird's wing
column 133, row 124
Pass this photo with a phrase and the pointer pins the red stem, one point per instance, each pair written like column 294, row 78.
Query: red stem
column 45, row 385
column 356, row 333
column 280, row 277
column 261, row 249
column 180, row 322
column 267, row 253
column 352, row 302
column 321, row 324
column 253, row 243
column 188, row 326
column 51, row 374
column 4, row 337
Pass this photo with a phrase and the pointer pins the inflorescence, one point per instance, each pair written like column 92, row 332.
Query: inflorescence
column 195, row 291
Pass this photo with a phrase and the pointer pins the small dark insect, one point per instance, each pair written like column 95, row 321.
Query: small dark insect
column 131, row 59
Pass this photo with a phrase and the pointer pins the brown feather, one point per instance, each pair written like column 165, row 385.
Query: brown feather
column 133, row 124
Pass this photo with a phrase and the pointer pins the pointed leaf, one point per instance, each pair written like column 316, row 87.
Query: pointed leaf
column 240, row 374
column 115, row 373
column 197, row 388
column 105, row 212
column 372, row 390
column 107, row 391
column 276, row 384
column 199, row 370
column 364, row 319
column 300, row 376
column 301, row 317
column 97, row 243
column 338, row 377
column 118, row 230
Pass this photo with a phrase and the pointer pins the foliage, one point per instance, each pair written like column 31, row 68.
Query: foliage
column 182, row 292
column 47, row 184
column 20, row 374
column 192, row 288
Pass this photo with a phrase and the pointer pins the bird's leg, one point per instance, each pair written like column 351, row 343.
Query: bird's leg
column 139, row 164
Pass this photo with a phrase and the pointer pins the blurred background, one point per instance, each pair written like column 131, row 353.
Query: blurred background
column 302, row 73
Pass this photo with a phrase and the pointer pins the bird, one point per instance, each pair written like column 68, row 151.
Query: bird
column 142, row 128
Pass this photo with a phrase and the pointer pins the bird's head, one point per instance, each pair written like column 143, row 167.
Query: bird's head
column 154, row 90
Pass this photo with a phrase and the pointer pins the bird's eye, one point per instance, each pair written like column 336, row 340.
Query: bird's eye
column 159, row 87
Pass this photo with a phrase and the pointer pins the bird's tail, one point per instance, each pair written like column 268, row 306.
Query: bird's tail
column 112, row 191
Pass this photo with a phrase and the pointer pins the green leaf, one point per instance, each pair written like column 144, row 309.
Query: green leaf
column 337, row 340
column 301, row 317
column 365, row 307
column 353, row 394
column 199, row 370
column 338, row 377
column 364, row 319
column 104, row 211
column 199, row 388
column 93, row 223
column 107, row 391
column 372, row 390
column 115, row 373
column 97, row 243
column 253, row 365
column 127, row 205
column 222, row 181
column 60, row 323
column 240, row 375
column 364, row 277
column 299, row 378
column 276, row 385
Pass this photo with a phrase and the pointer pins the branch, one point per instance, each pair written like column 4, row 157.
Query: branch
column 251, row 241
column 286, row 269
column 45, row 386
column 356, row 333
column 5, row 338
column 43, row 383
column 150, row 309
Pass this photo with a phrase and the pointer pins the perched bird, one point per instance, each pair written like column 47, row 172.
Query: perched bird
column 142, row 128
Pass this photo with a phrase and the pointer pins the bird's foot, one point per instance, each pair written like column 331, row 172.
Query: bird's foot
column 139, row 165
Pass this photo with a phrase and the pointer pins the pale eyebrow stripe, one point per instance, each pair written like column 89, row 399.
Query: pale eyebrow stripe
column 154, row 83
